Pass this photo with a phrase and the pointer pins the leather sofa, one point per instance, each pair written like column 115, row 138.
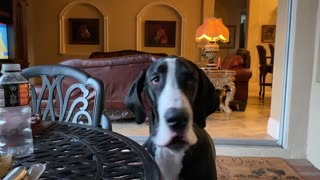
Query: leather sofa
column 239, row 61
column 117, row 70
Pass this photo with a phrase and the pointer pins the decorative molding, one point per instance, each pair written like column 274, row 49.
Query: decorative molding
column 62, row 17
column 149, row 6
column 273, row 128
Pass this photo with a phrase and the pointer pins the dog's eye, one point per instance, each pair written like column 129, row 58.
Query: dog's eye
column 155, row 80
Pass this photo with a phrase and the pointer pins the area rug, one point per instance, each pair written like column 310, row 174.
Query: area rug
column 244, row 168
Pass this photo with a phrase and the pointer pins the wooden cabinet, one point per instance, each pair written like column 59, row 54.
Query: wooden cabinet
column 13, row 14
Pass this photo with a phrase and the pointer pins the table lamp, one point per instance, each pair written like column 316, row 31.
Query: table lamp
column 209, row 33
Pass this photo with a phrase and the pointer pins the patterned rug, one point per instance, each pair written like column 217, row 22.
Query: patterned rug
column 244, row 168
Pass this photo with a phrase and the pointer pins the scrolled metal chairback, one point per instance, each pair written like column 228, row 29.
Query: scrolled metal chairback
column 67, row 94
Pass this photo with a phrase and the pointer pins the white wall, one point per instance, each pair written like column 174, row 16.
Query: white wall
column 313, row 148
column 300, row 78
column 278, row 71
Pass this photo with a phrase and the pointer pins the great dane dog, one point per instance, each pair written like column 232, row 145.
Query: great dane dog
column 181, row 97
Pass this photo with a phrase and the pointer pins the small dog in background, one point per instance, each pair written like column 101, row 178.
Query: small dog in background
column 181, row 97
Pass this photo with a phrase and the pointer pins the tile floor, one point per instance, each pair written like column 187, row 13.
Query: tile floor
column 251, row 124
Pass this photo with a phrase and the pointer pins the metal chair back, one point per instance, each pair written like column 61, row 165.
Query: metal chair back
column 68, row 94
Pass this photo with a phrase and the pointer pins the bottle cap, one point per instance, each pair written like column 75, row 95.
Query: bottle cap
column 10, row 67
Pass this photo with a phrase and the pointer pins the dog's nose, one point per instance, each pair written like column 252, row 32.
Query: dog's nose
column 177, row 119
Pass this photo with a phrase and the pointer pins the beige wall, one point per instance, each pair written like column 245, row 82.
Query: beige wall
column 82, row 11
column 229, row 11
column 162, row 12
column 43, row 27
column 121, row 28
column 261, row 12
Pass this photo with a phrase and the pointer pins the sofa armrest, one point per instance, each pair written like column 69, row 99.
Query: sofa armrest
column 243, row 74
column 122, row 53
column 232, row 62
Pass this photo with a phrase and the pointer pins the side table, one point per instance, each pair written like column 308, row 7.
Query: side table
column 224, row 81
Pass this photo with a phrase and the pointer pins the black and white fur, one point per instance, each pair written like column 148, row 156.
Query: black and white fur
column 181, row 97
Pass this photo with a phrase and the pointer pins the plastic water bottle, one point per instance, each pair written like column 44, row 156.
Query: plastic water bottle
column 15, row 112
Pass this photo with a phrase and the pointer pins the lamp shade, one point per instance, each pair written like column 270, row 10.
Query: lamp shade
column 212, row 30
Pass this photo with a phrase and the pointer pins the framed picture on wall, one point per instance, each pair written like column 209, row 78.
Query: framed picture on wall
column 268, row 33
column 232, row 38
column 83, row 31
column 160, row 34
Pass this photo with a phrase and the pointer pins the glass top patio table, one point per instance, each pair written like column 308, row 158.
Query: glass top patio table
column 73, row 151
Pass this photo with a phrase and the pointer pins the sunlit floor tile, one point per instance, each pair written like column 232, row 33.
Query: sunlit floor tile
column 251, row 124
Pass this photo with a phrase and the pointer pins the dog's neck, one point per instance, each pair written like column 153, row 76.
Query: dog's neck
column 169, row 162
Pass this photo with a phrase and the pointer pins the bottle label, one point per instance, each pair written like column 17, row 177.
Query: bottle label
column 14, row 95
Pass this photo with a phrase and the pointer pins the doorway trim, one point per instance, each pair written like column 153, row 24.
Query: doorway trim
column 298, row 58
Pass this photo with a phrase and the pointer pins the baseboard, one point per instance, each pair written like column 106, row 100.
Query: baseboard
column 273, row 128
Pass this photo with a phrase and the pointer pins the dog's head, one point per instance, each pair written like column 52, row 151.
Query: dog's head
column 180, row 95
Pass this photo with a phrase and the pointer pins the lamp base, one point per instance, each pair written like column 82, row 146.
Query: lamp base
column 212, row 66
column 211, row 50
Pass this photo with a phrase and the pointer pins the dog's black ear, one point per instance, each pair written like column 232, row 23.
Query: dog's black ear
column 207, row 100
column 133, row 100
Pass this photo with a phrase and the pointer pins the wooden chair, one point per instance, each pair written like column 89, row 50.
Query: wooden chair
column 271, row 48
column 264, row 69
column 67, row 94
